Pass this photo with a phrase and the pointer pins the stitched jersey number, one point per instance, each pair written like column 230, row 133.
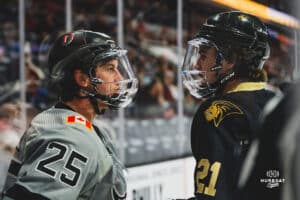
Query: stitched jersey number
column 203, row 168
column 42, row 165
column 71, row 167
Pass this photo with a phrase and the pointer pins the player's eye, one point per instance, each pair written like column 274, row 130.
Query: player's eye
column 110, row 68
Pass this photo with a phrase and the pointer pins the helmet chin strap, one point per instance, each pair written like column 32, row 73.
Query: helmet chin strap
column 221, row 82
column 93, row 99
column 226, row 78
column 95, row 105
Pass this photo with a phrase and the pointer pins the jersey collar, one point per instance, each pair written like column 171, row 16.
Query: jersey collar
column 63, row 106
column 248, row 86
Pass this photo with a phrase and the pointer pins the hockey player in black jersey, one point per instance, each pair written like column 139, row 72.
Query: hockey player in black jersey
column 223, row 64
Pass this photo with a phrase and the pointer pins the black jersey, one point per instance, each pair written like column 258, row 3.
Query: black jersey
column 271, row 167
column 222, row 130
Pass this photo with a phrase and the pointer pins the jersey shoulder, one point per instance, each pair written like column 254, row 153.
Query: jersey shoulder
column 216, row 110
column 61, row 126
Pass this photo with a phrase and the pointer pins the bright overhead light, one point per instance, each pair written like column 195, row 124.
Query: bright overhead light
column 261, row 11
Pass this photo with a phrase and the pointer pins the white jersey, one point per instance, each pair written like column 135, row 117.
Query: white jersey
column 62, row 156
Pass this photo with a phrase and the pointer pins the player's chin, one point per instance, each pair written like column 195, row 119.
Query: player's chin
column 114, row 95
column 102, row 105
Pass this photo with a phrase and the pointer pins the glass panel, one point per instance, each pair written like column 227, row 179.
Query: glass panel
column 152, row 125
column 150, row 36
column 45, row 20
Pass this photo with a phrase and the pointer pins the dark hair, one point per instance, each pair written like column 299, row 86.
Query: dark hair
column 68, row 89
column 254, row 75
column 243, row 69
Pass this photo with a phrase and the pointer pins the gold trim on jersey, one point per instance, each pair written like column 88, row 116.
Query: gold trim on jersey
column 248, row 86
column 219, row 110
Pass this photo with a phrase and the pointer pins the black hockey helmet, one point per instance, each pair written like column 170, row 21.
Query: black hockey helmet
column 85, row 50
column 228, row 32
column 238, row 30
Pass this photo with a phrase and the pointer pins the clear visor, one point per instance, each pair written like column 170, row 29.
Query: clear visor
column 114, row 78
column 202, row 60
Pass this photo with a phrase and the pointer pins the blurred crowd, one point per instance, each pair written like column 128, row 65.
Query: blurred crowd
column 9, row 136
column 150, row 37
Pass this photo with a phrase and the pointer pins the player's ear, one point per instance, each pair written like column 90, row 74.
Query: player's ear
column 227, row 66
column 81, row 78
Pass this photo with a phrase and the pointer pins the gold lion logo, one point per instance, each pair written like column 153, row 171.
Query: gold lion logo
column 219, row 110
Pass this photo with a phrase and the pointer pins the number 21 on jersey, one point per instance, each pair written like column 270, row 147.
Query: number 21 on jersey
column 206, row 170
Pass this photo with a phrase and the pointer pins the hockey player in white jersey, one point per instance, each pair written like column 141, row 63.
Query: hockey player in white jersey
column 62, row 155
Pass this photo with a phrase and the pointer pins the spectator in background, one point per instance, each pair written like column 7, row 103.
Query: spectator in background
column 10, row 117
column 170, row 89
column 35, row 93
column 151, row 101
column 141, row 75
column 8, row 143
column 153, row 94
column 10, row 39
column 9, row 138
column 4, row 67
column 162, row 65
column 10, row 44
column 190, row 104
